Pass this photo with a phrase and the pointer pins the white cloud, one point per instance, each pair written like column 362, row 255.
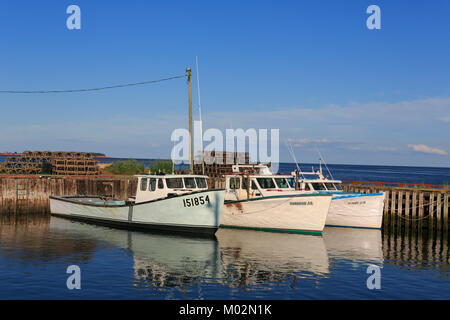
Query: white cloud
column 426, row 149
column 445, row 119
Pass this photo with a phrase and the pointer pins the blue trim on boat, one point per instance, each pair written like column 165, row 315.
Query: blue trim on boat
column 356, row 195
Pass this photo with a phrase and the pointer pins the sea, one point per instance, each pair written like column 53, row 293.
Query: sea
column 420, row 175
column 40, row 255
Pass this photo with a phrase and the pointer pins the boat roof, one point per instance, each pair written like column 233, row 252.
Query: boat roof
column 259, row 175
column 170, row 176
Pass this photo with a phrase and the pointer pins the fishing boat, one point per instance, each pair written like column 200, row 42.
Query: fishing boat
column 347, row 209
column 257, row 199
column 181, row 203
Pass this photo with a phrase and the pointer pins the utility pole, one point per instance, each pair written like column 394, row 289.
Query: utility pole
column 191, row 136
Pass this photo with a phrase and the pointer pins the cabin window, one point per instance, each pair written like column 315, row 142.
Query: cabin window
column 307, row 188
column 189, row 183
column 254, row 187
column 338, row 187
column 174, row 183
column 318, row 186
column 291, row 182
column 330, row 186
column 282, row 183
column 235, row 183
column 160, row 184
column 266, row 183
column 143, row 184
column 201, row 183
column 152, row 184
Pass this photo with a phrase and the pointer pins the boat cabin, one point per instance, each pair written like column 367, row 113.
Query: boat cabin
column 257, row 181
column 152, row 187
column 315, row 181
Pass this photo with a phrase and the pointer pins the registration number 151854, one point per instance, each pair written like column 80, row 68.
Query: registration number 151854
column 195, row 201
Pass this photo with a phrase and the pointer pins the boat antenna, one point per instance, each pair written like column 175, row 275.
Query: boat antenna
column 321, row 159
column 291, row 151
column 200, row 116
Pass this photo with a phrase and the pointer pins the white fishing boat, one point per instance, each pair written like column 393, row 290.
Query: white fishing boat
column 348, row 209
column 179, row 203
column 263, row 201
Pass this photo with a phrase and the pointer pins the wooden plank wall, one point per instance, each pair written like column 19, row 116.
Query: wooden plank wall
column 31, row 195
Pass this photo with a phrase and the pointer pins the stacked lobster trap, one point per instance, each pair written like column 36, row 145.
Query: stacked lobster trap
column 46, row 162
column 218, row 163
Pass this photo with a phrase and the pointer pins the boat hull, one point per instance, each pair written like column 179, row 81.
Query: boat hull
column 356, row 210
column 168, row 214
column 293, row 213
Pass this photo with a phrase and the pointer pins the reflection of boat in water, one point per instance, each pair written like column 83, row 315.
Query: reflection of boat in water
column 159, row 259
column 354, row 244
column 250, row 257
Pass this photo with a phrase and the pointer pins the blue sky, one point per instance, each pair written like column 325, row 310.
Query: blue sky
column 310, row 68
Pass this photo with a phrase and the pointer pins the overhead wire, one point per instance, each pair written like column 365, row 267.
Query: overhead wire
column 91, row 89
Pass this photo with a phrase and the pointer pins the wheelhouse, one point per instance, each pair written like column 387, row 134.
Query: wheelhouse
column 317, row 182
column 152, row 187
column 241, row 186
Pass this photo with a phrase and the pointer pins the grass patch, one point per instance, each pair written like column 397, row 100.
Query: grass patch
column 161, row 166
column 128, row 167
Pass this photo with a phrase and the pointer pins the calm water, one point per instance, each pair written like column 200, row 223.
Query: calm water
column 238, row 264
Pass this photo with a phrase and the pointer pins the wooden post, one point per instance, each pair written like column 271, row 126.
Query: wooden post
column 420, row 217
column 414, row 211
column 445, row 213
column 407, row 215
column 399, row 211
column 439, row 211
column 191, row 135
column 430, row 213
column 394, row 194
column 386, row 209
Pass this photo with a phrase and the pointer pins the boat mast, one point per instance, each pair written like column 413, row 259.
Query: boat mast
column 200, row 116
column 191, row 136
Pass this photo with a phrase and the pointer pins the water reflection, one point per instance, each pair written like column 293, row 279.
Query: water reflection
column 30, row 240
column 357, row 245
column 421, row 252
column 254, row 257
column 159, row 260
column 234, row 259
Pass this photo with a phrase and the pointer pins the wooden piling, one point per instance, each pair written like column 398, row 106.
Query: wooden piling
column 386, row 209
column 399, row 211
column 439, row 211
column 420, row 217
column 430, row 219
column 394, row 195
column 445, row 214
column 414, row 211
column 407, row 215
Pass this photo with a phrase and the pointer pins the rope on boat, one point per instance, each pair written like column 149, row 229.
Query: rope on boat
column 94, row 89
column 417, row 207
